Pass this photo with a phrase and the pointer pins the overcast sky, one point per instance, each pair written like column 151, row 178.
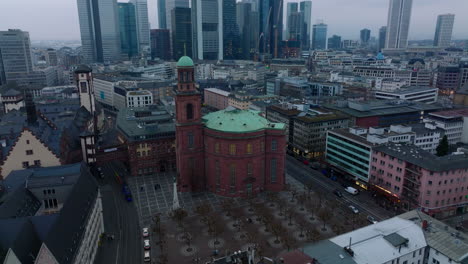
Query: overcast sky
column 58, row 19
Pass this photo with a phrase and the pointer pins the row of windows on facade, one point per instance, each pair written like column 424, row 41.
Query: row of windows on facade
column 233, row 173
column 453, row 172
column 50, row 203
column 37, row 163
column 146, row 153
column 233, row 147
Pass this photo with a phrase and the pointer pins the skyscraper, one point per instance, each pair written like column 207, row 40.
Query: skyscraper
column 15, row 55
column 171, row 4
column 399, row 16
column 271, row 26
column 207, row 29
column 162, row 14
column 99, row 28
column 291, row 8
column 306, row 10
column 382, row 37
column 143, row 29
column 248, row 24
column 334, row 42
column 295, row 22
column 319, row 36
column 182, row 32
column 230, row 31
column 160, row 44
column 128, row 29
column 365, row 36
column 444, row 27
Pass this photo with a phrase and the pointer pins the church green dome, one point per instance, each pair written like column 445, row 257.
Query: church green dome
column 185, row 61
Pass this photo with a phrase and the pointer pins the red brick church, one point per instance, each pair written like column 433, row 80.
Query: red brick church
column 230, row 152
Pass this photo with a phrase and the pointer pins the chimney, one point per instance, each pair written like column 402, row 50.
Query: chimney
column 30, row 108
column 424, row 225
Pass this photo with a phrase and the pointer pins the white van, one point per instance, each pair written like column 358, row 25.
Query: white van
column 147, row 257
column 351, row 190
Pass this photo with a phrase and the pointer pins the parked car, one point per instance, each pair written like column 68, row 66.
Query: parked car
column 371, row 219
column 354, row 209
column 147, row 256
column 351, row 190
column 338, row 193
column 146, row 244
column 145, row 232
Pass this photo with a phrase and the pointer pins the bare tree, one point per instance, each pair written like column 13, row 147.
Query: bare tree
column 289, row 215
column 277, row 230
column 227, row 206
column 216, row 229
column 302, row 199
column 204, row 211
column 179, row 215
column 288, row 241
column 324, row 215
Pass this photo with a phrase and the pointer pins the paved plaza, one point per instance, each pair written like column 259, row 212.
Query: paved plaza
column 151, row 201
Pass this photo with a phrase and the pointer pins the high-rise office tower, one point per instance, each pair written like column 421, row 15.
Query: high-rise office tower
column 162, row 14
column 382, row 37
column 160, row 44
column 248, row 24
column 295, row 21
column 399, row 16
column 291, row 8
column 143, row 28
column 51, row 57
column 182, row 32
column 334, row 42
column 99, row 28
column 444, row 28
column 271, row 26
column 207, row 24
column 15, row 55
column 306, row 10
column 319, row 36
column 365, row 36
column 171, row 4
column 128, row 30
column 231, row 36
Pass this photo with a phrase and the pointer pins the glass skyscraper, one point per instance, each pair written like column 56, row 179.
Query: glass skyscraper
column 99, row 28
column 128, row 29
column 399, row 16
column 207, row 28
column 182, row 32
column 142, row 23
column 444, row 28
column 319, row 36
column 162, row 14
column 230, row 31
column 15, row 55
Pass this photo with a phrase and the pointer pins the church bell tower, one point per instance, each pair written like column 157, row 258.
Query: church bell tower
column 189, row 130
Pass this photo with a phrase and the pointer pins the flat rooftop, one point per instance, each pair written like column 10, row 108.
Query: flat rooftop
column 423, row 158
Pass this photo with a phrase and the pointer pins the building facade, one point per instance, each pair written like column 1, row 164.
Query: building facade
column 207, row 29
column 420, row 179
column 231, row 36
column 128, row 29
column 319, row 36
column 365, row 36
column 160, row 44
column 443, row 32
column 142, row 25
column 216, row 98
column 99, row 28
column 382, row 38
column 230, row 152
column 149, row 133
column 15, row 55
column 139, row 98
column 181, row 32
column 399, row 16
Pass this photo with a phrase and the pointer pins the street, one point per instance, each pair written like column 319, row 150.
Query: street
column 363, row 201
column 120, row 220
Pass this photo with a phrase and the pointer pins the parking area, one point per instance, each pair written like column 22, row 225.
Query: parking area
column 151, row 201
